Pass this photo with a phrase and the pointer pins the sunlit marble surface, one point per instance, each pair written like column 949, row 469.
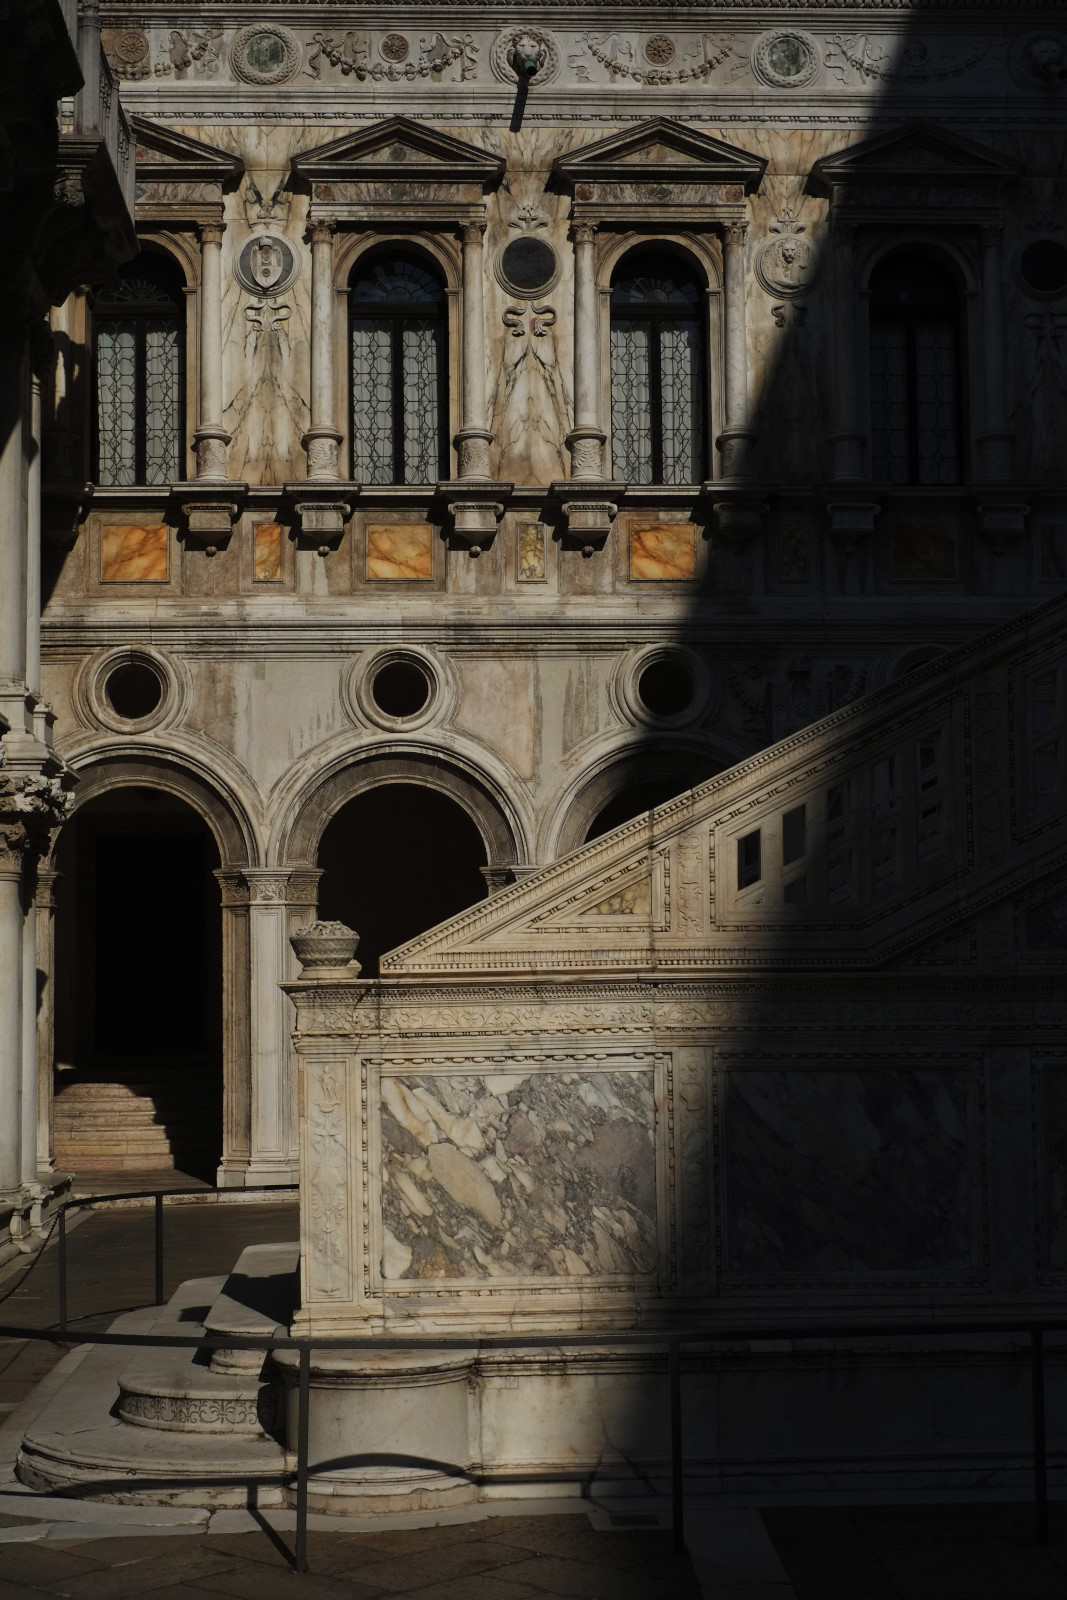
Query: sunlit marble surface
column 663, row 550
column 401, row 551
column 551, row 1173
column 267, row 542
column 131, row 554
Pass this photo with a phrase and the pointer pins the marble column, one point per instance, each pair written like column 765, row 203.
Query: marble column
column 11, row 1004
column 236, row 1029
column 849, row 437
column 280, row 900
column 586, row 439
column 473, row 439
column 322, row 439
column 14, row 548
column 211, row 437
column 46, row 1015
column 995, row 442
column 736, row 438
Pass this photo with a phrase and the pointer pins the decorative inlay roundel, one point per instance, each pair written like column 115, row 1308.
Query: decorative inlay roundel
column 502, row 68
column 786, row 59
column 527, row 267
column 265, row 54
column 659, row 50
column 267, row 264
column 394, row 47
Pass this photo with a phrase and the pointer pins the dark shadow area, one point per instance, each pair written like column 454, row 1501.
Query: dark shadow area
column 397, row 860
column 138, row 988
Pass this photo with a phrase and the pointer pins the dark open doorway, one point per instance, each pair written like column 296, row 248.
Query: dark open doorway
column 396, row 860
column 138, row 991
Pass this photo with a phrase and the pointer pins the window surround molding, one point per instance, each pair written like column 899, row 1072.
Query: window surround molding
column 660, row 180
column 413, row 185
column 925, row 185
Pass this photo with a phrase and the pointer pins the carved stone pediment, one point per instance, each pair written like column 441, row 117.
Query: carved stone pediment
column 398, row 168
column 847, row 845
column 920, row 158
column 177, row 175
column 662, row 163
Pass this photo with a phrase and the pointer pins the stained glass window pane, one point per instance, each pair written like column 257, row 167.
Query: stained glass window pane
column 935, row 399
column 391, row 281
column 162, row 399
column 682, row 400
column 631, row 401
column 372, row 401
column 889, row 402
column 419, row 343
column 116, row 402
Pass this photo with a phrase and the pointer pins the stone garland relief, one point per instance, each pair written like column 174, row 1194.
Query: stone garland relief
column 518, row 1174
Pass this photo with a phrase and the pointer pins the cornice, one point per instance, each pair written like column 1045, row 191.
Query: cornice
column 773, row 12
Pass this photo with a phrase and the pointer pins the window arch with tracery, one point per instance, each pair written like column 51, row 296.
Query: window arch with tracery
column 398, row 370
column 658, row 370
column 915, row 372
column 139, row 345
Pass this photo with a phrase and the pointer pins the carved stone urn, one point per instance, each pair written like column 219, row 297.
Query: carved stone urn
column 326, row 949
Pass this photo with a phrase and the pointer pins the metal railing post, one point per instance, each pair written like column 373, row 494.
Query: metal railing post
column 159, row 1249
column 1037, row 1396
column 63, row 1269
column 303, row 1408
column 677, row 1479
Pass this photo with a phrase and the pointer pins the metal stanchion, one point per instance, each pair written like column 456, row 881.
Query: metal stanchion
column 677, row 1479
column 302, row 1432
column 1037, row 1395
column 63, row 1268
column 159, row 1249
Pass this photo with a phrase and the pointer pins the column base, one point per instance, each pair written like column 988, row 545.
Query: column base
column 735, row 450
column 997, row 450
column 472, row 449
column 322, row 445
column 210, row 444
column 586, row 444
column 27, row 1213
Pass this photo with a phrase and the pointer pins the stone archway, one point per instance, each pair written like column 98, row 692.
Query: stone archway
column 634, row 782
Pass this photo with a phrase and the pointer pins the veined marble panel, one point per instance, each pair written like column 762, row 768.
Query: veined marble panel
column 267, row 541
column 519, row 1174
column 847, row 1171
column 404, row 550
column 663, row 550
column 131, row 554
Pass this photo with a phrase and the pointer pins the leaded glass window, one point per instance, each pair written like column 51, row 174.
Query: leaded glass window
column 140, row 347
column 397, row 323
column 657, row 371
column 915, row 372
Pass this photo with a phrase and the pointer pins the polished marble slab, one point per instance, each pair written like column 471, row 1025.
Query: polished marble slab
column 400, row 551
column 513, row 1174
column 134, row 554
column 662, row 550
column 267, row 545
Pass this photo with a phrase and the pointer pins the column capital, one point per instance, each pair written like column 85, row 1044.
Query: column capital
column 470, row 233
column 233, row 887
column 991, row 234
column 212, row 232
column 282, row 886
column 735, row 233
column 584, row 232
column 320, row 230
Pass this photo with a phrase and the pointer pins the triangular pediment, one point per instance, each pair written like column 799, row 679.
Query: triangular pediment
column 665, row 151
column 164, row 154
column 919, row 151
column 398, row 148
column 783, row 860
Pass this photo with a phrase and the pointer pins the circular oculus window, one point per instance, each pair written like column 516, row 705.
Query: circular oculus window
column 401, row 688
column 134, row 690
column 666, row 687
column 1043, row 268
column 528, row 267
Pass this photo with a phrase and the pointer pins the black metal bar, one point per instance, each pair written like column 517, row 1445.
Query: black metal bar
column 63, row 1268
column 159, row 1249
column 303, row 1407
column 677, row 1466
column 1037, row 1395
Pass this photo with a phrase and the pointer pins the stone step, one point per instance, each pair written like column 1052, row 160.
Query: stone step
column 103, row 1124
column 178, row 1391
column 257, row 1300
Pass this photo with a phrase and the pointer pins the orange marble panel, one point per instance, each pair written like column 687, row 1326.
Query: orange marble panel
column 267, row 546
column 134, row 554
column 922, row 552
column 400, row 550
column 660, row 550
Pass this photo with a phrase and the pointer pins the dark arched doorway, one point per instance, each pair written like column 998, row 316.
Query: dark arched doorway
column 138, row 988
column 398, row 859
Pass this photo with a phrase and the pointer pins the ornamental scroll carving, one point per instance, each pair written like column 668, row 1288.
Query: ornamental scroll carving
column 326, row 1133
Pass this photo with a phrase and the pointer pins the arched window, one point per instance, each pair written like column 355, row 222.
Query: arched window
column 657, row 370
column 397, row 322
column 139, row 324
column 915, row 371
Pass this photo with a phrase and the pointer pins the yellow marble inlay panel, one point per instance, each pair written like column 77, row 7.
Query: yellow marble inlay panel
column 531, row 553
column 399, row 550
column 134, row 555
column 267, row 543
column 661, row 550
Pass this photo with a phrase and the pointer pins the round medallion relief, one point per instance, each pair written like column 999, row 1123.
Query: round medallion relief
column 659, row 50
column 265, row 54
column 786, row 265
column 533, row 40
column 266, row 264
column 1039, row 61
column 785, row 59
column 394, row 47
column 527, row 267
column 131, row 46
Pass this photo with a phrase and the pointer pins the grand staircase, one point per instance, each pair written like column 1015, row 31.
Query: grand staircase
column 151, row 1118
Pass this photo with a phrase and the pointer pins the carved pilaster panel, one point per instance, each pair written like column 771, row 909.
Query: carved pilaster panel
column 326, row 1197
